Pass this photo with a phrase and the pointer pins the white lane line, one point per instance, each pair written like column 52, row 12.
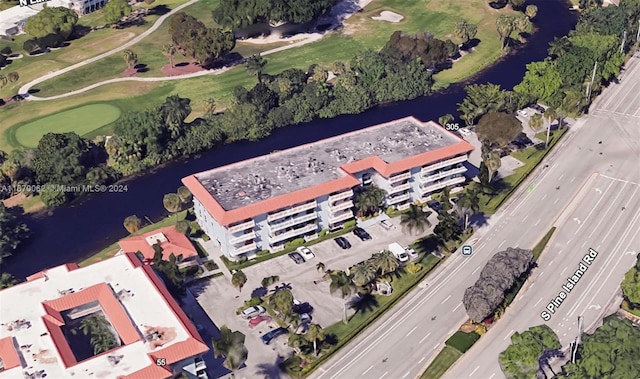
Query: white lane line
column 423, row 358
column 561, row 176
column 541, row 272
column 565, row 269
column 367, row 370
column 508, row 335
column 502, row 243
column 456, row 308
column 435, row 347
column 593, row 208
column 481, row 245
column 474, row 371
column 584, row 243
column 445, row 300
column 411, row 331
column 474, row 271
column 574, row 178
column 492, row 375
column 383, row 375
column 424, row 338
column 407, row 374
column 545, row 195
column 537, row 222
column 556, row 201
column 536, row 304
column 524, row 218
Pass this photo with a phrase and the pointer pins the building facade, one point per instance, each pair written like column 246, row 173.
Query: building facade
column 263, row 203
column 43, row 322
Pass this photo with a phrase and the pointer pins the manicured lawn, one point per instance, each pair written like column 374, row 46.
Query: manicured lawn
column 81, row 120
column 447, row 357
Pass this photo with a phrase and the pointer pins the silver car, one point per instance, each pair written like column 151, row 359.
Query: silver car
column 252, row 312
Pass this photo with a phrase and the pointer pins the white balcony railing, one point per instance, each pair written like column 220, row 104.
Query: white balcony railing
column 440, row 185
column 293, row 233
column 244, row 237
column 276, row 248
column 404, row 206
column 400, row 188
column 442, row 164
column 340, row 196
column 293, row 221
column 340, row 206
column 243, row 226
column 399, row 177
column 341, row 217
column 398, row 199
column 245, row 248
column 292, row 211
column 444, row 174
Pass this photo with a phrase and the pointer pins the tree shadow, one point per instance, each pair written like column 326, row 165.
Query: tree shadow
column 198, row 287
column 282, row 287
column 181, row 64
column 79, row 31
column 366, row 303
column 545, row 358
column 159, row 10
column 228, row 60
column 271, row 370
column 32, row 91
column 478, row 220
column 472, row 43
column 141, row 67
column 259, row 292
column 499, row 4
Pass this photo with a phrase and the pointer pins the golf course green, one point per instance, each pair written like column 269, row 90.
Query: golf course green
column 81, row 120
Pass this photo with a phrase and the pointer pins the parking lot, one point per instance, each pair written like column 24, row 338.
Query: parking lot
column 221, row 300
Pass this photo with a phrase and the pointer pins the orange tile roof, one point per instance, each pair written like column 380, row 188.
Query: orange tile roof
column 69, row 266
column 228, row 217
column 9, row 353
column 152, row 371
column 177, row 243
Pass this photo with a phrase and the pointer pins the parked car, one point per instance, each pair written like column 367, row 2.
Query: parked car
column 305, row 252
column 362, row 234
column 464, row 132
column 412, row 254
column 296, row 257
column 258, row 319
column 268, row 337
column 386, row 224
column 523, row 113
column 251, row 312
column 343, row 243
column 399, row 252
column 436, row 206
column 538, row 107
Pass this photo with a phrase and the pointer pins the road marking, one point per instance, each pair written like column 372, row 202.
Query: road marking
column 508, row 335
column 574, row 178
column 407, row 374
column 481, row 245
column 568, row 242
column 541, row 272
column 492, row 375
column 424, row 338
column 367, row 370
column 537, row 222
column 445, row 300
column 524, row 218
column 561, row 176
column 474, row 371
column 474, row 271
column 383, row 375
column 456, row 308
column 565, row 269
column 584, row 243
column 556, row 201
column 551, row 262
column 435, row 347
column 543, row 197
column 536, row 304
column 580, row 224
column 502, row 243
column 423, row 358
column 411, row 331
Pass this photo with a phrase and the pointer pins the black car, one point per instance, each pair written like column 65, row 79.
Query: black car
column 538, row 107
column 296, row 258
column 267, row 337
column 343, row 243
column 436, row 206
column 362, row 234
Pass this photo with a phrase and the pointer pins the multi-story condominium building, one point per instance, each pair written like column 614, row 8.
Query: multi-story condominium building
column 125, row 306
column 262, row 203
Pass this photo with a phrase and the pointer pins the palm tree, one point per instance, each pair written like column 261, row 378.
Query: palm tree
column 130, row 58
column 505, row 25
column 184, row 194
column 320, row 267
column 7, row 280
column 255, row 66
column 559, row 46
column 132, row 223
column 465, row 31
column 231, row 346
column 282, row 301
column 174, row 111
column 385, row 262
column 295, row 341
column 169, row 51
column 469, row 204
column 13, row 77
column 172, row 203
column 210, row 108
column 342, row 282
column 3, row 81
column 362, row 273
column 315, row 334
column 550, row 114
column 370, row 200
column 531, row 11
column 444, row 120
column 493, row 163
column 415, row 220
column 238, row 279
column 536, row 122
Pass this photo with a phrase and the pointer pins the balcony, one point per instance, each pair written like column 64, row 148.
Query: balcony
column 442, row 184
column 293, row 221
column 292, row 211
column 340, row 217
column 200, row 365
column 443, row 174
column 244, row 249
column 341, row 205
column 398, row 199
column 243, row 226
column 242, row 238
column 400, row 188
column 404, row 206
column 293, row 233
column 439, row 165
column 399, row 177
column 340, row 196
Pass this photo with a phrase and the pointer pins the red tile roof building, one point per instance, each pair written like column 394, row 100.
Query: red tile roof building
column 156, row 338
column 297, row 192
column 170, row 240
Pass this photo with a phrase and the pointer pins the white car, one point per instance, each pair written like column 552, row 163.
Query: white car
column 386, row 224
column 464, row 132
column 252, row 312
column 305, row 252
column 523, row 113
column 412, row 253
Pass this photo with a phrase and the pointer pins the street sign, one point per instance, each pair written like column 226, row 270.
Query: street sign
column 467, row 250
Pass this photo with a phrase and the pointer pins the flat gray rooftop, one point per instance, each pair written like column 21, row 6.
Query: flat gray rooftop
column 251, row 181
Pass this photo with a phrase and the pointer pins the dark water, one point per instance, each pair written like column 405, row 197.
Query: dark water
column 74, row 232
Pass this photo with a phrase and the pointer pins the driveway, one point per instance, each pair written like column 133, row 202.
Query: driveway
column 220, row 300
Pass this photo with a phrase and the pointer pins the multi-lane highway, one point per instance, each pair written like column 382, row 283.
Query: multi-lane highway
column 603, row 215
column 406, row 339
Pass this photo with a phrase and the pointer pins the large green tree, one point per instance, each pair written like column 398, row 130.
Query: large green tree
column 522, row 358
column 241, row 13
column 384, row 262
column 631, row 285
column 481, row 99
column 282, row 301
column 174, row 111
column 415, row 220
column 255, row 66
column 12, row 232
column 230, row 345
column 363, row 273
column 498, row 128
column 341, row 282
column 195, row 40
column 465, row 31
column 115, row 10
column 542, row 81
column 52, row 20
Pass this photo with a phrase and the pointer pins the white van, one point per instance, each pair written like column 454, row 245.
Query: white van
column 399, row 252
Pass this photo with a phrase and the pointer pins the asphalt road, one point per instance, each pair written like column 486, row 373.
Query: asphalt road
column 406, row 339
column 603, row 215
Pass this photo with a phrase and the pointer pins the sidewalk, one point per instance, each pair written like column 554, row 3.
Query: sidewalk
column 214, row 253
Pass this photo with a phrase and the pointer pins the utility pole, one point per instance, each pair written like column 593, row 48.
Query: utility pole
column 593, row 77
column 624, row 40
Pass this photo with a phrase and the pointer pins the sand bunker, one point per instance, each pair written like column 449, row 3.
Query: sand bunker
column 389, row 17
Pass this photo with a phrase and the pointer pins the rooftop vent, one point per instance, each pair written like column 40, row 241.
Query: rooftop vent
column 156, row 238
